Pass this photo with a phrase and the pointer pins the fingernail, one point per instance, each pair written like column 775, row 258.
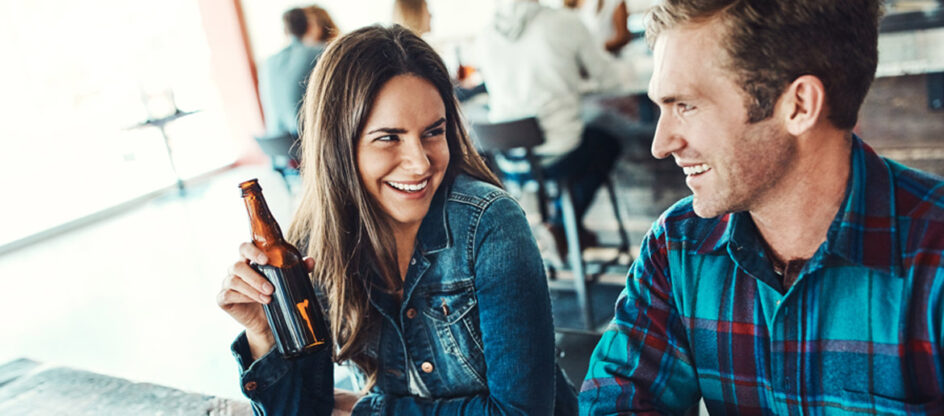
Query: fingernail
column 262, row 259
column 265, row 299
column 267, row 288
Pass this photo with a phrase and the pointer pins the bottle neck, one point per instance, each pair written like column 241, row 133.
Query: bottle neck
column 265, row 231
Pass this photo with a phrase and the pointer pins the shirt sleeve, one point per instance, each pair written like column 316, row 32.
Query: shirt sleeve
column 276, row 386
column 515, row 322
column 599, row 65
column 642, row 363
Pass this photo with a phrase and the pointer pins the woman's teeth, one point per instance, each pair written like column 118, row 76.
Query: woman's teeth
column 694, row 170
column 409, row 187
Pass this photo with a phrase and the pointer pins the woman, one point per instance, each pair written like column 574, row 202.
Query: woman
column 322, row 21
column 433, row 284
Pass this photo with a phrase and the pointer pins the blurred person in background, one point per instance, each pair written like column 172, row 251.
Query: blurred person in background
column 282, row 76
column 433, row 285
column 607, row 20
column 413, row 15
column 532, row 59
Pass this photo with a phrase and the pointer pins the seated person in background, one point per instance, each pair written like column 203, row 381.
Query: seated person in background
column 434, row 286
column 607, row 21
column 282, row 77
column 414, row 15
column 531, row 59
column 804, row 276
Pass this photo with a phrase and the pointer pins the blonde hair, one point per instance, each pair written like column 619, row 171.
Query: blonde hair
column 410, row 13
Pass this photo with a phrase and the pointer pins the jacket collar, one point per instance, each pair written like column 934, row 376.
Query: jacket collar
column 433, row 235
column 863, row 231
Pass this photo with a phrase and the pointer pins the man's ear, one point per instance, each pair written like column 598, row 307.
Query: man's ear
column 803, row 103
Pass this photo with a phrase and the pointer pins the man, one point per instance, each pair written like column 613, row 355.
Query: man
column 531, row 58
column 805, row 274
column 283, row 76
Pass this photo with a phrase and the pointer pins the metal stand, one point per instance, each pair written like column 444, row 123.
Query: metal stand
column 160, row 123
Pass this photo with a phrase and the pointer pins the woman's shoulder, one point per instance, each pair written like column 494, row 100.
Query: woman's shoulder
column 468, row 190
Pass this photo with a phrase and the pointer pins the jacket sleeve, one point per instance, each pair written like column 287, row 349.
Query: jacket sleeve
column 516, row 326
column 642, row 363
column 302, row 386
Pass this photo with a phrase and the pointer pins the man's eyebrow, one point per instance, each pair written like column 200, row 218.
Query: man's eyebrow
column 398, row 130
column 670, row 99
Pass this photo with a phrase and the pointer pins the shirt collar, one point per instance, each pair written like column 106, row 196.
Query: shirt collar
column 863, row 231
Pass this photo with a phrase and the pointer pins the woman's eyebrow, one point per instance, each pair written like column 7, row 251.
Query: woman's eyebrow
column 388, row 130
column 435, row 124
column 398, row 130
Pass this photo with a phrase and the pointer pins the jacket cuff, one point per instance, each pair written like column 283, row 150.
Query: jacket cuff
column 371, row 404
column 256, row 376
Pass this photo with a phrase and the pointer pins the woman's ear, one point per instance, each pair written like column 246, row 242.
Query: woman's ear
column 802, row 105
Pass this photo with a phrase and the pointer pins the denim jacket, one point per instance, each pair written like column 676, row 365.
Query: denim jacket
column 474, row 325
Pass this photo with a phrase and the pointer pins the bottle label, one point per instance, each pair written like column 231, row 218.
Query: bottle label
column 294, row 313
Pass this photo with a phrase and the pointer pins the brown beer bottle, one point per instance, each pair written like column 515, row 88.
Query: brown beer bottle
column 294, row 314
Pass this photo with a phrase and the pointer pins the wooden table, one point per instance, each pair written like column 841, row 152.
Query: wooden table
column 31, row 388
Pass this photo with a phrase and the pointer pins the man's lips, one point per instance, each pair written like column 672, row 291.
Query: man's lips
column 691, row 170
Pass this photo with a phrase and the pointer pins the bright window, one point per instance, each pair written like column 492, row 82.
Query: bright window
column 77, row 77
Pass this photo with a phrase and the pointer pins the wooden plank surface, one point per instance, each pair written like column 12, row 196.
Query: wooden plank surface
column 29, row 388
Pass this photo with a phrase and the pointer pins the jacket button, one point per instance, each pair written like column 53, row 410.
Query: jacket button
column 427, row 367
column 411, row 313
column 250, row 386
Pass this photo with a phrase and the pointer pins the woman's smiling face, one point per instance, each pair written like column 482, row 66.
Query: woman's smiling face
column 402, row 153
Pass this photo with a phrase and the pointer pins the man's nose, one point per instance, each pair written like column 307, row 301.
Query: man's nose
column 667, row 139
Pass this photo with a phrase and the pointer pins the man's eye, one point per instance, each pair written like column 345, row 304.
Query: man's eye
column 684, row 108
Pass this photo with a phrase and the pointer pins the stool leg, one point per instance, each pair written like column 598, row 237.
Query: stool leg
column 575, row 255
column 624, row 236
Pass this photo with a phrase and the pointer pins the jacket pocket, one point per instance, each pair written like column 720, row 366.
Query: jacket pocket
column 451, row 311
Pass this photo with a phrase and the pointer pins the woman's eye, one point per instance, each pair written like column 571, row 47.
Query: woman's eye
column 435, row 132
column 387, row 138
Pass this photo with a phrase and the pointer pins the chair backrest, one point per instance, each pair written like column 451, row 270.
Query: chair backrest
column 500, row 138
column 508, row 135
column 283, row 145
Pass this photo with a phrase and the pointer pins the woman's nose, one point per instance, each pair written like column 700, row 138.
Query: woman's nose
column 414, row 157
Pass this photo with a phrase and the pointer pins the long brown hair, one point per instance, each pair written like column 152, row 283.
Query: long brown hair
column 343, row 228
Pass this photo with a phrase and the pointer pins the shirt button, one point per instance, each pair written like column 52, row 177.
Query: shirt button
column 413, row 260
column 250, row 386
column 411, row 313
column 778, row 301
column 427, row 367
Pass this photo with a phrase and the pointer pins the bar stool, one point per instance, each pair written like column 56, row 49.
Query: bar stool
column 511, row 146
